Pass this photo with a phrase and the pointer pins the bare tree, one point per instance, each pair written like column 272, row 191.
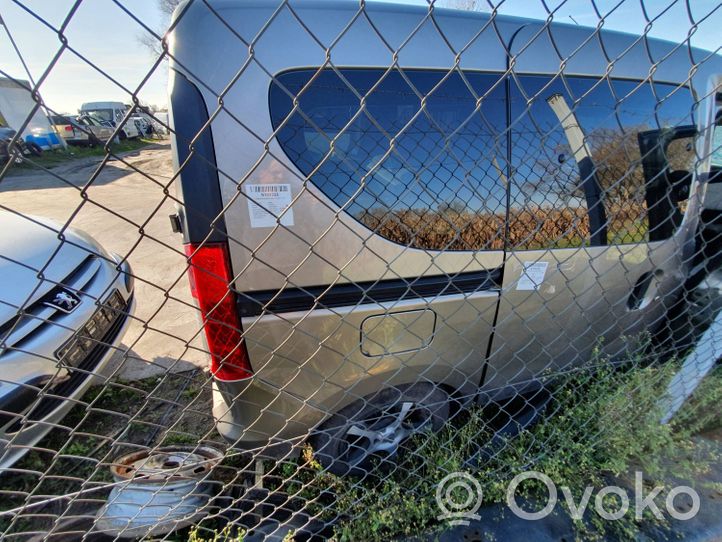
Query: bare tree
column 616, row 159
column 168, row 6
column 154, row 45
column 466, row 5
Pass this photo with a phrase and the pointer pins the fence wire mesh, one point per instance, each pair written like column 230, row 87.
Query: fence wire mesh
column 405, row 242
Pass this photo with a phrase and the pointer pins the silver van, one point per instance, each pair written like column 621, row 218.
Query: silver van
column 383, row 209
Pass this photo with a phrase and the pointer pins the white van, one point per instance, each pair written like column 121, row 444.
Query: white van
column 114, row 113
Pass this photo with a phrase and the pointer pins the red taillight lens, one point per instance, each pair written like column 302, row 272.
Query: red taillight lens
column 68, row 128
column 210, row 275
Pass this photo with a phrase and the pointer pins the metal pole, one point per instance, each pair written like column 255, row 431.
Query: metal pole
column 698, row 364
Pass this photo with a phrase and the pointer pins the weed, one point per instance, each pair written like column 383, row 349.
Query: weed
column 701, row 413
column 601, row 423
column 77, row 452
column 227, row 534
column 172, row 438
column 53, row 158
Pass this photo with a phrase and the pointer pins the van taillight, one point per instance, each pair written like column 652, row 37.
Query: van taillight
column 210, row 275
column 68, row 128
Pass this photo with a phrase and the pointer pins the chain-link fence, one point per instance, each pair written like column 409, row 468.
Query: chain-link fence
column 412, row 252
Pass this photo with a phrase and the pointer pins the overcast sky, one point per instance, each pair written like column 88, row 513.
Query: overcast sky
column 105, row 35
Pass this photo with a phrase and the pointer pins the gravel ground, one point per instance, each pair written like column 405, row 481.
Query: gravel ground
column 127, row 212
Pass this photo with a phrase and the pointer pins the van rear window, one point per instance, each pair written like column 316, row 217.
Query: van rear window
column 418, row 157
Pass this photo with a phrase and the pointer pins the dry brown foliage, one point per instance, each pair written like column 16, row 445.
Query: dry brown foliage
column 533, row 228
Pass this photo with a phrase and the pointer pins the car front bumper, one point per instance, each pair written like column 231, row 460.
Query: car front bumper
column 20, row 432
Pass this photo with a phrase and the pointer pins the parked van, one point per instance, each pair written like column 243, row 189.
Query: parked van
column 113, row 113
column 368, row 239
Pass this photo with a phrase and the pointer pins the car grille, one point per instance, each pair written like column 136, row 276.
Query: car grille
column 81, row 355
column 21, row 329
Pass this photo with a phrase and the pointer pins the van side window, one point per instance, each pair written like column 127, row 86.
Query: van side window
column 422, row 163
column 558, row 203
column 653, row 178
column 552, row 203
column 547, row 204
column 716, row 158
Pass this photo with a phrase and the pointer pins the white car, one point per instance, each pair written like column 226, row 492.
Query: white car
column 64, row 305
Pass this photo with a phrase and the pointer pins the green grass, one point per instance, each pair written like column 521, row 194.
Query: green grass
column 227, row 534
column 112, row 419
column 53, row 158
column 602, row 424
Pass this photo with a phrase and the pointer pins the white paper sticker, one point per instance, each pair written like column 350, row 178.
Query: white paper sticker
column 532, row 275
column 266, row 202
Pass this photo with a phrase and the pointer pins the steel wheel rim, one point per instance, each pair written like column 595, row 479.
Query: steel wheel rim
column 382, row 432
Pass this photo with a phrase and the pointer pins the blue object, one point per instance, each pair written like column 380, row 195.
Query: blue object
column 44, row 140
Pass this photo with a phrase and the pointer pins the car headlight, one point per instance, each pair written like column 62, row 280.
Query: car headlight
column 128, row 278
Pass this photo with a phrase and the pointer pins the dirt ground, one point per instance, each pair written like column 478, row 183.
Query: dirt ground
column 125, row 207
column 158, row 393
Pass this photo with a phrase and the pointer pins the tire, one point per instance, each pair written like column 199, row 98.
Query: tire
column 342, row 444
column 507, row 418
column 34, row 148
column 698, row 308
column 122, row 135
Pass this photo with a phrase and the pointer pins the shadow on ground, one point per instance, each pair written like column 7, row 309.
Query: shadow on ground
column 77, row 171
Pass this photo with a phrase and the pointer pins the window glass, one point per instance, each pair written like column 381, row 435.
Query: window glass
column 421, row 163
column 105, row 114
column 547, row 205
column 717, row 147
column 579, row 175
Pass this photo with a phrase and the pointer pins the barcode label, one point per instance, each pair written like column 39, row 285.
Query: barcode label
column 265, row 188
column 269, row 205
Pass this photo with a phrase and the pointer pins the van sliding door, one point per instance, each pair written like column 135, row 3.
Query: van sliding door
column 589, row 264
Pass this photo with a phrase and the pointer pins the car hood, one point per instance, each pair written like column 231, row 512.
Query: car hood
column 28, row 245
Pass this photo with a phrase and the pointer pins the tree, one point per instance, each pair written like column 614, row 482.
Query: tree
column 466, row 5
column 618, row 163
column 166, row 7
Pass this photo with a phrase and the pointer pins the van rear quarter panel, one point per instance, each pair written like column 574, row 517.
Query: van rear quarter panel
column 324, row 245
column 320, row 350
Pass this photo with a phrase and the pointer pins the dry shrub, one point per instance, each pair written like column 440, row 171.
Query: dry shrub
column 532, row 228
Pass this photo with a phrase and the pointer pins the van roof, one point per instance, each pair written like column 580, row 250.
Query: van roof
column 419, row 9
column 353, row 41
column 102, row 105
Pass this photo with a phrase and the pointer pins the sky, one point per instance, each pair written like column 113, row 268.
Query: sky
column 103, row 34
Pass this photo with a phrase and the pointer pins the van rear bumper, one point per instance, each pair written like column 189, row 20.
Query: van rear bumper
column 269, row 420
column 254, row 416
